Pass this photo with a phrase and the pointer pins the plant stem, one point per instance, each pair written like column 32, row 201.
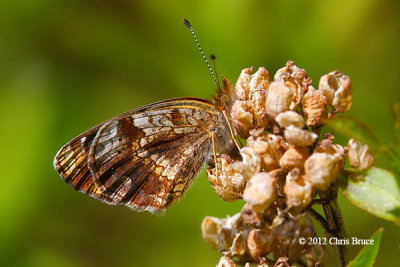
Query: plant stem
column 319, row 218
column 334, row 218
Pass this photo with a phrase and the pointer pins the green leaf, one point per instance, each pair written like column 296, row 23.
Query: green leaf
column 396, row 115
column 376, row 191
column 353, row 128
column 366, row 257
column 389, row 155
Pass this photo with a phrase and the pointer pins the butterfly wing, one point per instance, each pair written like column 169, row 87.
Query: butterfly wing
column 145, row 158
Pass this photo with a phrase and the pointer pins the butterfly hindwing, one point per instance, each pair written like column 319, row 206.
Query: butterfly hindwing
column 71, row 164
column 145, row 158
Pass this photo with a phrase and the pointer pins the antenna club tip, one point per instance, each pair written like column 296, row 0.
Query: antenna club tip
column 212, row 56
column 187, row 23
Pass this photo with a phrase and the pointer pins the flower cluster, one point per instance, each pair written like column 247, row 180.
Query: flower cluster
column 284, row 164
column 240, row 239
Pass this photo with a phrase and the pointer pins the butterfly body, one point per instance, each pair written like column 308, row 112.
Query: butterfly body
column 145, row 158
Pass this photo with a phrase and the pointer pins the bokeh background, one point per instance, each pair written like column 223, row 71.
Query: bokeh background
column 68, row 65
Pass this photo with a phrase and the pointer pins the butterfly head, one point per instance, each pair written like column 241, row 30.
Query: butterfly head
column 223, row 99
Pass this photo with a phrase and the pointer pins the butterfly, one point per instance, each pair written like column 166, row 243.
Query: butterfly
column 147, row 158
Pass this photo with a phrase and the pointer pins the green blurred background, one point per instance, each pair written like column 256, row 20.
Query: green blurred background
column 68, row 65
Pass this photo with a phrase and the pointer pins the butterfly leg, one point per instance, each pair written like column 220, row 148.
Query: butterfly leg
column 214, row 151
column 231, row 129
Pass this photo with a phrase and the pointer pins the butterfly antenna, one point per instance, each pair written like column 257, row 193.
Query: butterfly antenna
column 214, row 59
column 201, row 51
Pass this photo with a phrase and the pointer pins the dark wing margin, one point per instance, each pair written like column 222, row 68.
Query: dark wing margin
column 71, row 164
column 144, row 159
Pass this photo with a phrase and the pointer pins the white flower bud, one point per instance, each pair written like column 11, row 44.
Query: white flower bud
column 269, row 148
column 336, row 87
column 242, row 118
column 243, row 84
column 225, row 261
column 360, row 155
column 217, row 232
column 279, row 99
column 210, row 228
column 288, row 118
column 328, row 147
column 321, row 169
column 298, row 190
column 299, row 137
column 250, row 164
column 294, row 78
column 260, row 191
column 259, row 80
column 258, row 90
column 248, row 112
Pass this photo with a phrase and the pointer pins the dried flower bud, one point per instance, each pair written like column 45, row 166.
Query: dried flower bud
column 294, row 78
column 231, row 222
column 259, row 242
column 279, row 99
column 291, row 71
column 294, row 157
column 239, row 245
column 313, row 107
column 287, row 118
column 321, row 169
column 316, row 254
column 280, row 172
column 360, row 156
column 258, row 90
column 259, row 80
column 251, row 217
column 258, row 219
column 260, row 191
column 257, row 102
column 328, row 147
column 225, row 239
column 282, row 262
column 218, row 232
column 299, row 137
column 225, row 261
column 248, row 111
column 269, row 147
column 242, row 118
column 210, row 228
column 256, row 132
column 287, row 234
column 243, row 84
column 227, row 183
column 336, row 87
column 298, row 191
column 250, row 164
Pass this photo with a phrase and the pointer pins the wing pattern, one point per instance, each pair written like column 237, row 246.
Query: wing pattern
column 144, row 159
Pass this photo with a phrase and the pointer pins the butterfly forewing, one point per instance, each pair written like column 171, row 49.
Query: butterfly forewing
column 145, row 158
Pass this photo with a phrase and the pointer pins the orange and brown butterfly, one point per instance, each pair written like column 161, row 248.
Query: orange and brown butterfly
column 147, row 158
